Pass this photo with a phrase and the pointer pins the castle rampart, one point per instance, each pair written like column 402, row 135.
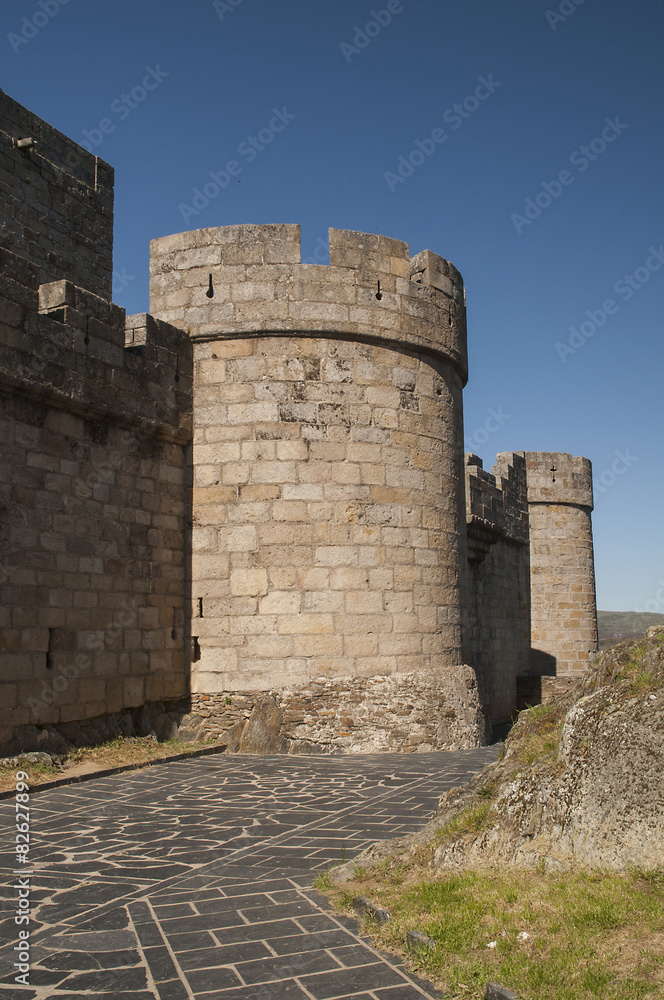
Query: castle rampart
column 308, row 420
column 56, row 208
column 498, row 596
column 93, row 483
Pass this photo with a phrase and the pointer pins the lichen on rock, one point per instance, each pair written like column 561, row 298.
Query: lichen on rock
column 581, row 779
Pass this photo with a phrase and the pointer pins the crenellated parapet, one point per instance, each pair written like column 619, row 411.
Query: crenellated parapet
column 64, row 344
column 239, row 281
column 559, row 478
column 496, row 503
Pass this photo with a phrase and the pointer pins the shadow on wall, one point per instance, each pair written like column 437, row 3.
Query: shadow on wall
column 529, row 686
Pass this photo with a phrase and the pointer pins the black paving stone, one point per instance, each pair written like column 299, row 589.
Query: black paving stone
column 224, row 848
column 196, row 940
column 38, row 977
column 160, row 964
column 142, row 995
column 204, row 922
column 209, row 958
column 286, row 967
column 149, row 935
column 320, row 922
column 221, row 904
column 256, row 932
column 312, row 942
column 108, row 979
column 202, row 980
column 349, row 981
column 351, row 954
column 173, row 990
column 405, row 993
column 115, row 919
column 284, row 991
column 257, row 914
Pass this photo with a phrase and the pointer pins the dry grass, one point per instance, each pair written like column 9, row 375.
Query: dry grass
column 115, row 753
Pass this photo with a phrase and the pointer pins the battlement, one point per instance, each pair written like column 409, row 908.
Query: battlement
column 309, row 538
column 559, row 478
column 496, row 503
column 238, row 281
column 57, row 201
column 63, row 343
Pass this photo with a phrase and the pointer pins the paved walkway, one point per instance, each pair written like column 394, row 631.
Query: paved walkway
column 191, row 879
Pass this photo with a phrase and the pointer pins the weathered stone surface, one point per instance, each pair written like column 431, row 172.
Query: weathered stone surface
column 598, row 798
column 261, row 733
column 165, row 726
column 407, row 712
column 365, row 908
column 330, row 559
column 495, row 991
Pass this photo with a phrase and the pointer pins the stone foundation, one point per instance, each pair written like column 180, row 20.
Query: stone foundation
column 405, row 712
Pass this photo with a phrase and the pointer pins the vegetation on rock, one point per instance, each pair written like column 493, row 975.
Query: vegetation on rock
column 545, row 871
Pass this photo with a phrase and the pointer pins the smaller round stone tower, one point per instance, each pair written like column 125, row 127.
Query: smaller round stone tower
column 562, row 572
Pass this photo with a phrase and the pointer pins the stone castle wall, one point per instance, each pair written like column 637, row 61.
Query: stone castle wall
column 318, row 545
column 497, row 604
column 94, row 440
column 56, row 204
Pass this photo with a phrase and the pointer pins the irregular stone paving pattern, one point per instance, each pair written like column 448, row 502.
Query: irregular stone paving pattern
column 192, row 879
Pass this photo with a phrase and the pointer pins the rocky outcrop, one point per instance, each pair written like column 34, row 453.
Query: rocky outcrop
column 582, row 778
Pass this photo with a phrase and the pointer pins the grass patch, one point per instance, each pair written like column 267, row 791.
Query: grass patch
column 539, row 734
column 473, row 819
column 591, row 934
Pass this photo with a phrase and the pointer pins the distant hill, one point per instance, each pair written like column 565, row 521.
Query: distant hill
column 614, row 626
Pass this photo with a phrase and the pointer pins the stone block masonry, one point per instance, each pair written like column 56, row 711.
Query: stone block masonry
column 497, row 604
column 563, row 608
column 251, row 504
column 328, row 527
column 94, row 440
column 56, row 201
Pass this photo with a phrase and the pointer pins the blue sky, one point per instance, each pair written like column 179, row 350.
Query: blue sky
column 546, row 190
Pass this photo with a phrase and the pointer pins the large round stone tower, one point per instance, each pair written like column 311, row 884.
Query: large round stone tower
column 328, row 512
column 562, row 574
